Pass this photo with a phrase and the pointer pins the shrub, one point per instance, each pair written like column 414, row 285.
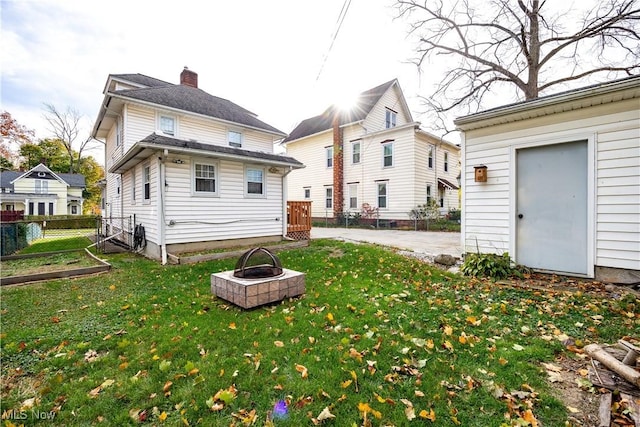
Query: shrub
column 454, row 215
column 493, row 266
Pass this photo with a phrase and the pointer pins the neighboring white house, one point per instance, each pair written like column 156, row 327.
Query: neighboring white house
column 40, row 191
column 563, row 181
column 193, row 170
column 375, row 155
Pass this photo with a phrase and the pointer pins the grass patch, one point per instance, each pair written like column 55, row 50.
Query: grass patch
column 376, row 337
column 56, row 244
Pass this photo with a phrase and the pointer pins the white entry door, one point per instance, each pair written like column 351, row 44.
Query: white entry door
column 552, row 204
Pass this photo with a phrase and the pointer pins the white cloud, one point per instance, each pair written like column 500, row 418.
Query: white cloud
column 262, row 55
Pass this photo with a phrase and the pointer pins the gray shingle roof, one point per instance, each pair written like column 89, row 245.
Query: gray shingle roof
column 141, row 79
column 73, row 179
column 364, row 103
column 166, row 141
column 197, row 101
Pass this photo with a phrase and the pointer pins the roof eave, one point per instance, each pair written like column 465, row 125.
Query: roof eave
column 467, row 122
column 322, row 131
column 142, row 150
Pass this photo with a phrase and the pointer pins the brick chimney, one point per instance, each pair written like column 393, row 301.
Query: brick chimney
column 338, row 166
column 189, row 78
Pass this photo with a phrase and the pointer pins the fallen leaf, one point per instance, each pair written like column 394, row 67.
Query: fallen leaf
column 325, row 414
column 278, row 343
column 303, row 370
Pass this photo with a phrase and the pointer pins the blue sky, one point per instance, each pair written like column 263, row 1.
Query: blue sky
column 262, row 55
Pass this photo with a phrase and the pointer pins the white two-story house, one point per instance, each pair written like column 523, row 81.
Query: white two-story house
column 372, row 158
column 187, row 169
column 39, row 191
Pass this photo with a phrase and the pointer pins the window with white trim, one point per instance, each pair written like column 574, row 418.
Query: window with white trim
column 429, row 196
column 430, row 157
column 307, row 192
column 133, row 186
column 205, row 178
column 355, row 152
column 42, row 186
column 146, row 182
column 328, row 197
column 255, row 182
column 329, row 156
column 234, row 138
column 118, row 133
column 446, row 161
column 74, row 210
column 118, row 184
column 390, row 118
column 382, row 195
column 387, row 154
column 168, row 125
column 353, row 196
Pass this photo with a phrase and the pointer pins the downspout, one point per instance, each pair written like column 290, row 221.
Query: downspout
column 285, row 222
column 162, row 187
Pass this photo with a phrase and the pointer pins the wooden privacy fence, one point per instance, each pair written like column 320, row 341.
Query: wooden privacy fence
column 299, row 220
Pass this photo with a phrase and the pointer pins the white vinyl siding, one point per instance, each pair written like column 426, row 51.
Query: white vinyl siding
column 232, row 215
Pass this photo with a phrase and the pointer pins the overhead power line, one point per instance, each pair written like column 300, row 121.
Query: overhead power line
column 340, row 20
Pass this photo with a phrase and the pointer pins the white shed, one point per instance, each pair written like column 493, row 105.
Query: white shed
column 561, row 191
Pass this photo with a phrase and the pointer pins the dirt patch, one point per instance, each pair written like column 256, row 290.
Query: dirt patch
column 566, row 386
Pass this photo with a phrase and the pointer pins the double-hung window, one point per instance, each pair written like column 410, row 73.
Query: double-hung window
column 355, row 152
column 387, row 154
column 430, row 157
column 382, row 195
column 42, row 186
column 328, row 197
column 168, row 125
column 133, row 187
column 255, row 184
column 205, row 178
column 353, row 196
column 329, row 156
column 235, row 138
column 146, row 182
column 429, row 196
column 307, row 192
column 390, row 118
column 446, row 161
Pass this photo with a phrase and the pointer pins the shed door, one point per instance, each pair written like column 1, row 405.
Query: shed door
column 552, row 219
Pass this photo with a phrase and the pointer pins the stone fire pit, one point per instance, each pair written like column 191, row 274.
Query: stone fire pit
column 257, row 279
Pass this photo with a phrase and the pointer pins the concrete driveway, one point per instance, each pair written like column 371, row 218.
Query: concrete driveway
column 430, row 243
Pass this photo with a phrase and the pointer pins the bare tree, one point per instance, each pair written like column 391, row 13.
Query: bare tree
column 517, row 47
column 65, row 126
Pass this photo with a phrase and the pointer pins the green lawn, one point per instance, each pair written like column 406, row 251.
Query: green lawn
column 57, row 243
column 377, row 339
